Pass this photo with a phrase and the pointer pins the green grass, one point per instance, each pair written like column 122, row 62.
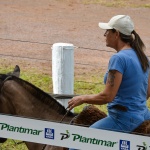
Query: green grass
column 13, row 145
column 117, row 3
column 146, row 5
column 111, row 3
column 43, row 81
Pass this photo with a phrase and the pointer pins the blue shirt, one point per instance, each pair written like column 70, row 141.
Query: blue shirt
column 132, row 92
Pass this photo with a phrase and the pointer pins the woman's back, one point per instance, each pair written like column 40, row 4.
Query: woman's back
column 133, row 89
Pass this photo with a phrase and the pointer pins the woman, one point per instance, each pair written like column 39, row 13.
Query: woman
column 127, row 82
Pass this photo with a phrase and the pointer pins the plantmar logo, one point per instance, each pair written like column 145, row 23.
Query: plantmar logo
column 79, row 138
column 65, row 135
column 10, row 128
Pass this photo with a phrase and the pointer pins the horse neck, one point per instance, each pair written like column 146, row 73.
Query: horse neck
column 24, row 102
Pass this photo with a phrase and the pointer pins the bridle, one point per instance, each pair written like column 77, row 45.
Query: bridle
column 43, row 148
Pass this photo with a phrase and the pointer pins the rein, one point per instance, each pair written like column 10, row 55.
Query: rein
column 59, row 122
column 64, row 115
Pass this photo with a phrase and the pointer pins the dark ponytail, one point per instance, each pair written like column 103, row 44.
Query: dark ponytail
column 137, row 44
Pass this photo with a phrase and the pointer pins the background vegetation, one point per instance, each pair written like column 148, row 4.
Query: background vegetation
column 118, row 3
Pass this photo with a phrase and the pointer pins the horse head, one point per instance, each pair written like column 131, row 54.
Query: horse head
column 3, row 77
column 4, row 104
column 15, row 72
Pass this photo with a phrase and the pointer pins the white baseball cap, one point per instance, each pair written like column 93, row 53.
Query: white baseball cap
column 121, row 23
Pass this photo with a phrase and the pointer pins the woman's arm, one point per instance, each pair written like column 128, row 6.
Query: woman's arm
column 111, row 88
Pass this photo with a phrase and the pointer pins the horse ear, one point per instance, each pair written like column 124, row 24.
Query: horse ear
column 16, row 71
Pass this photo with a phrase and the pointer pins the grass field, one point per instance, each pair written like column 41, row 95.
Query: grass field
column 118, row 3
column 114, row 3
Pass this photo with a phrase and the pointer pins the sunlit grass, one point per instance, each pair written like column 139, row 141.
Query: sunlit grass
column 117, row 3
column 13, row 145
column 43, row 81
column 108, row 3
column 146, row 5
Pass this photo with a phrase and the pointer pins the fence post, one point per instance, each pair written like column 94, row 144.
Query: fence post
column 63, row 70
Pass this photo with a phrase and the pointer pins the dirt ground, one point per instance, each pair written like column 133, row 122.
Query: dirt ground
column 29, row 28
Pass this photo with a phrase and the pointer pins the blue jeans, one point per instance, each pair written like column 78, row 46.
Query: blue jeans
column 121, row 121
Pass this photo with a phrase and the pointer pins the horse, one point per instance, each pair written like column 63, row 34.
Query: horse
column 21, row 98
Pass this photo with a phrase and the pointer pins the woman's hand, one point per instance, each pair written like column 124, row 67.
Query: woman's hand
column 75, row 101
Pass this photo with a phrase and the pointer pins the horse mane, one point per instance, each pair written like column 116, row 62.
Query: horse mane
column 3, row 77
column 42, row 96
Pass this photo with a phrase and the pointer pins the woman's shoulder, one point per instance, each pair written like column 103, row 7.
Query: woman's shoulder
column 127, row 53
column 123, row 56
